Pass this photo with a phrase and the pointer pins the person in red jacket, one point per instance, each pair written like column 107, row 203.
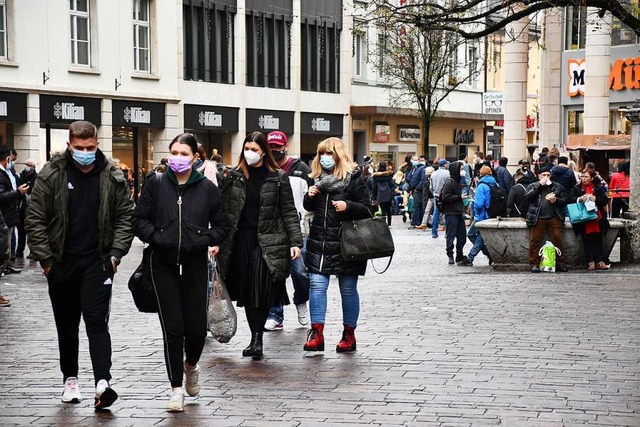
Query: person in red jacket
column 619, row 191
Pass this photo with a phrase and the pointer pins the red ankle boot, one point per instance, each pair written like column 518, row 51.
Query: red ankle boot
column 348, row 341
column 316, row 338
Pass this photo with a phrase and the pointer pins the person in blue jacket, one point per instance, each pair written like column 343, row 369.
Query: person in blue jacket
column 481, row 212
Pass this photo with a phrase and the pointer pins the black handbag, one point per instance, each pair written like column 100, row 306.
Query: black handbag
column 141, row 285
column 365, row 239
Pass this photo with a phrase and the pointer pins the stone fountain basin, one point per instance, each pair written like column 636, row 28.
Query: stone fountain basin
column 507, row 240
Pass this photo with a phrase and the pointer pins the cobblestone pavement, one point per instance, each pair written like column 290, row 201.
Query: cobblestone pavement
column 437, row 345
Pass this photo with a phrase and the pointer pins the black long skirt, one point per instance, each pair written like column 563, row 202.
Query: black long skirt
column 249, row 280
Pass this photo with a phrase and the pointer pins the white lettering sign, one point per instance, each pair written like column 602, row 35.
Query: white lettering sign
column 492, row 102
column 409, row 134
column 269, row 122
column 321, row 125
column 68, row 111
column 210, row 118
column 4, row 110
column 137, row 115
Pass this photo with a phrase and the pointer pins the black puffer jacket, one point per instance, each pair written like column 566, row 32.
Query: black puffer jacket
column 278, row 223
column 534, row 194
column 451, row 193
column 601, row 202
column 180, row 220
column 564, row 176
column 323, row 245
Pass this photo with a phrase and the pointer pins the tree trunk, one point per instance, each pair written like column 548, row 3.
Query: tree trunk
column 426, row 127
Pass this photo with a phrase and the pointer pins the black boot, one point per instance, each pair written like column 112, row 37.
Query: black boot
column 248, row 352
column 256, row 349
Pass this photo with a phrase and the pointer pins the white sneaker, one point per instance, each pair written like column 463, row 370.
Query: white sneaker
column 176, row 401
column 105, row 395
column 273, row 325
column 303, row 314
column 71, row 393
column 192, row 383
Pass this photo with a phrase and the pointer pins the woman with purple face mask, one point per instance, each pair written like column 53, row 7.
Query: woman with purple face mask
column 180, row 214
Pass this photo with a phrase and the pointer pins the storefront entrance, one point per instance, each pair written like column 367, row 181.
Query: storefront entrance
column 213, row 127
column 133, row 124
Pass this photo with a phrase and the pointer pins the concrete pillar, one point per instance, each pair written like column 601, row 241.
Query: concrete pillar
column 630, row 238
column 598, row 66
column 515, row 91
column 551, row 129
column 26, row 136
column 240, row 74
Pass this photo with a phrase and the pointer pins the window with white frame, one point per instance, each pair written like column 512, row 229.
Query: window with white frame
column 3, row 30
column 141, row 35
column 80, row 32
column 358, row 54
column 473, row 66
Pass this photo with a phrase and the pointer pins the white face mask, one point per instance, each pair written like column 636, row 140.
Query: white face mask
column 463, row 173
column 252, row 157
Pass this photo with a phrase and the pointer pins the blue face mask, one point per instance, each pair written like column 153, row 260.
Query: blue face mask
column 84, row 158
column 327, row 162
column 415, row 163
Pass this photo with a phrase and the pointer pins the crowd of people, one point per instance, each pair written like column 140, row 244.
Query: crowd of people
column 465, row 194
column 269, row 217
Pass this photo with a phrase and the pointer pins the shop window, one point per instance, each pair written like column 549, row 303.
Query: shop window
column 268, row 50
column 576, row 27
column 208, row 40
column 80, row 32
column 320, row 56
column 575, row 124
column 141, row 35
column 3, row 30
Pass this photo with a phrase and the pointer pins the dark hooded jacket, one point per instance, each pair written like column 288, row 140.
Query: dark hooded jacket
column 451, row 194
column 323, row 245
column 563, row 175
column 383, row 186
column 180, row 220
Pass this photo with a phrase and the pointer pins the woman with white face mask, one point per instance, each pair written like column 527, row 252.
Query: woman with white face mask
column 339, row 195
column 255, row 259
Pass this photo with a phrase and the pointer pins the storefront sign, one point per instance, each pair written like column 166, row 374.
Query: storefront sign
column 625, row 74
column 321, row 124
column 138, row 114
column 463, row 136
column 492, row 103
column 408, row 134
column 269, row 120
column 68, row 109
column 383, row 133
column 208, row 117
column 13, row 107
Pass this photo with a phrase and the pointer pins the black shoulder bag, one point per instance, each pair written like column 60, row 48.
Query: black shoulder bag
column 365, row 239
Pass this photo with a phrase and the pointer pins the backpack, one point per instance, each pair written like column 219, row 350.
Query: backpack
column 498, row 202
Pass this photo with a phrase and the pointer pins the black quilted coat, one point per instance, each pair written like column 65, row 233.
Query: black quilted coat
column 278, row 223
column 323, row 244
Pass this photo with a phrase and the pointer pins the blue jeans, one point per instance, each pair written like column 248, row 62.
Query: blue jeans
column 418, row 208
column 300, row 279
column 435, row 222
column 319, row 283
column 397, row 201
column 478, row 242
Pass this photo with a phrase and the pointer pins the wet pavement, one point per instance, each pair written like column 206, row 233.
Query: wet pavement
column 437, row 345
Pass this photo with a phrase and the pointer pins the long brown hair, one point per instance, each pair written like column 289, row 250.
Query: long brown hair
column 260, row 139
column 344, row 165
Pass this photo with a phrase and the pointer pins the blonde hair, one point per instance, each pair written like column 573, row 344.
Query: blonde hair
column 344, row 164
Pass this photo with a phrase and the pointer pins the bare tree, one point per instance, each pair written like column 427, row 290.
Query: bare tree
column 473, row 19
column 422, row 67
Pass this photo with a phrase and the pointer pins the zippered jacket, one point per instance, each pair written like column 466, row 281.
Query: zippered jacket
column 323, row 254
column 278, row 223
column 180, row 220
column 47, row 212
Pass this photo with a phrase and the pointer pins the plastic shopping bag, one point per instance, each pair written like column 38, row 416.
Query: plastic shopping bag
column 548, row 257
column 221, row 315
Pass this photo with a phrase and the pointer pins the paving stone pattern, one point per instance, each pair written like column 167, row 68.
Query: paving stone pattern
column 437, row 345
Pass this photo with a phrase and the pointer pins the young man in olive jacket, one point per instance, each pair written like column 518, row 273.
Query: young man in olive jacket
column 79, row 226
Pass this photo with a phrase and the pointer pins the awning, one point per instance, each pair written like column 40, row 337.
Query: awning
column 599, row 147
